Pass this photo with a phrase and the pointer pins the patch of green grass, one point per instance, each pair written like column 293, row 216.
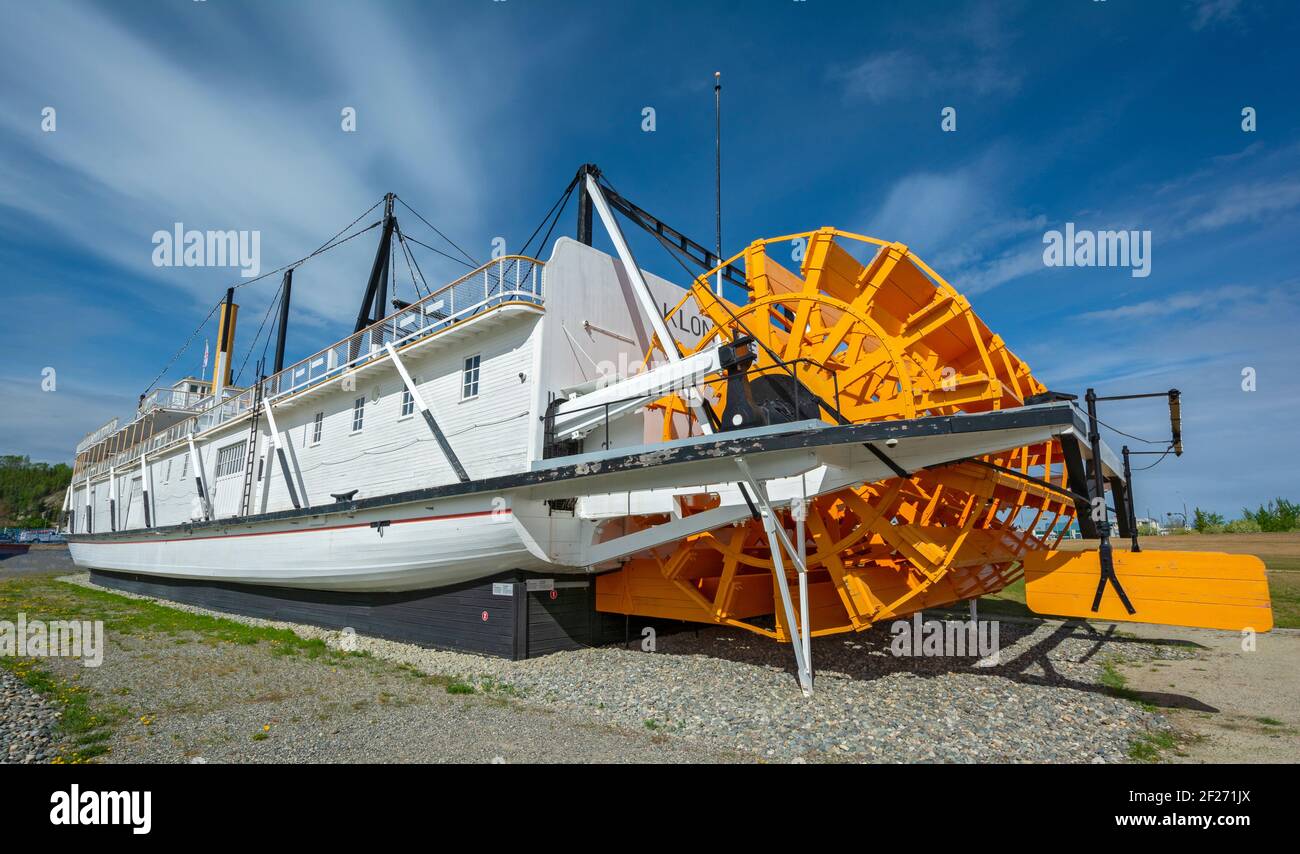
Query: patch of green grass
column 1284, row 590
column 457, row 687
column 260, row 736
column 1147, row 746
column 1269, row 721
column 491, row 685
column 44, row 598
column 1116, row 684
column 83, row 722
column 652, row 724
column 1112, row 678
column 86, row 724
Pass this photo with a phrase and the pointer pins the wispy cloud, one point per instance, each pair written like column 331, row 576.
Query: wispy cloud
column 155, row 141
column 1240, row 203
column 1172, row 304
column 962, row 223
column 1209, row 13
column 1199, row 343
column 976, row 59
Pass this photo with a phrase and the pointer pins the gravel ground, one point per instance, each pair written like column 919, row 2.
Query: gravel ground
column 27, row 723
column 231, row 703
column 715, row 694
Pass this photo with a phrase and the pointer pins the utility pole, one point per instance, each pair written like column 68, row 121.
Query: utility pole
column 717, row 166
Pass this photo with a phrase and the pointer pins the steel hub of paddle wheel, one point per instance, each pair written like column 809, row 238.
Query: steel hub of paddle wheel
column 888, row 339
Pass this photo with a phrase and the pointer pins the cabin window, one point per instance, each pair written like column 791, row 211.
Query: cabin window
column 408, row 399
column 167, row 477
column 358, row 414
column 230, row 460
column 317, row 427
column 469, row 383
column 185, row 466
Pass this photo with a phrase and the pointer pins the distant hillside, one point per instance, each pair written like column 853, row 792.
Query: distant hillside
column 31, row 494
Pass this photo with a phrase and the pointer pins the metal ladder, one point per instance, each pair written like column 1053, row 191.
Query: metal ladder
column 251, row 453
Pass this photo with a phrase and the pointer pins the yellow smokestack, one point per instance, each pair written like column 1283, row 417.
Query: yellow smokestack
column 221, row 366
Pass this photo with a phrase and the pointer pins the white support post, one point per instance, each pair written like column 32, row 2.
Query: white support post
column 200, row 479
column 268, row 466
column 67, row 503
column 279, row 452
column 144, row 491
column 642, row 291
column 801, row 541
column 777, row 539
column 112, row 498
column 427, row 414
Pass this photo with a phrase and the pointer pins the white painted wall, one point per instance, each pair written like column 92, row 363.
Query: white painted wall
column 391, row 453
column 591, row 327
column 594, row 329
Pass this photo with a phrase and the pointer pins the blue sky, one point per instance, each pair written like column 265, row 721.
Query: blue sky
column 1111, row 115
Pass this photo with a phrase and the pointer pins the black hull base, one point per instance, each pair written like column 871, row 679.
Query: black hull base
column 498, row 616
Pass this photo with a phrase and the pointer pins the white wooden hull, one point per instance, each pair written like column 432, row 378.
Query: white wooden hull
column 446, row 535
column 419, row 548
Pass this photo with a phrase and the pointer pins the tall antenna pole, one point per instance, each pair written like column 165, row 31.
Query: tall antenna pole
column 717, row 165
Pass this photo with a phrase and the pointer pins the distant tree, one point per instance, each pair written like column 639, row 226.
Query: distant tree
column 29, row 490
column 1277, row 515
column 1241, row 526
column 1205, row 522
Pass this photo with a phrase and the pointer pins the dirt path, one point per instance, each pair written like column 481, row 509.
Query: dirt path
column 1232, row 705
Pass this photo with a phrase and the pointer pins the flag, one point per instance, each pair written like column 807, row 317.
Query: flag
column 203, row 371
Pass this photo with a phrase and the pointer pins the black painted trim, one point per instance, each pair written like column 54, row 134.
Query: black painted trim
column 686, row 451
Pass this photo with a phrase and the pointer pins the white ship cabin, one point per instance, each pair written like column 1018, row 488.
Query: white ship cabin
column 486, row 354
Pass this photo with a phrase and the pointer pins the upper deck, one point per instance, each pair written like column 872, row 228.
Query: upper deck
column 169, row 416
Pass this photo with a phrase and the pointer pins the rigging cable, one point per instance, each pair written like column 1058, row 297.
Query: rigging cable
column 185, row 346
column 560, row 203
column 436, row 231
column 1158, row 461
column 325, row 247
column 411, row 259
column 406, row 255
column 253, row 343
column 440, row 252
column 1120, row 432
column 553, row 216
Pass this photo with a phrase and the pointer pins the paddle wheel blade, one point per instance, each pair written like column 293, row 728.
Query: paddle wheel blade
column 1206, row 590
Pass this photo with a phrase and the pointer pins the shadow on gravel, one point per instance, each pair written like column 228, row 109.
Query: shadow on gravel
column 1032, row 652
column 1166, row 700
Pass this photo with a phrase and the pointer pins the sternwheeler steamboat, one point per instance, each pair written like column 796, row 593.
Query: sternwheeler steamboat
column 795, row 452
